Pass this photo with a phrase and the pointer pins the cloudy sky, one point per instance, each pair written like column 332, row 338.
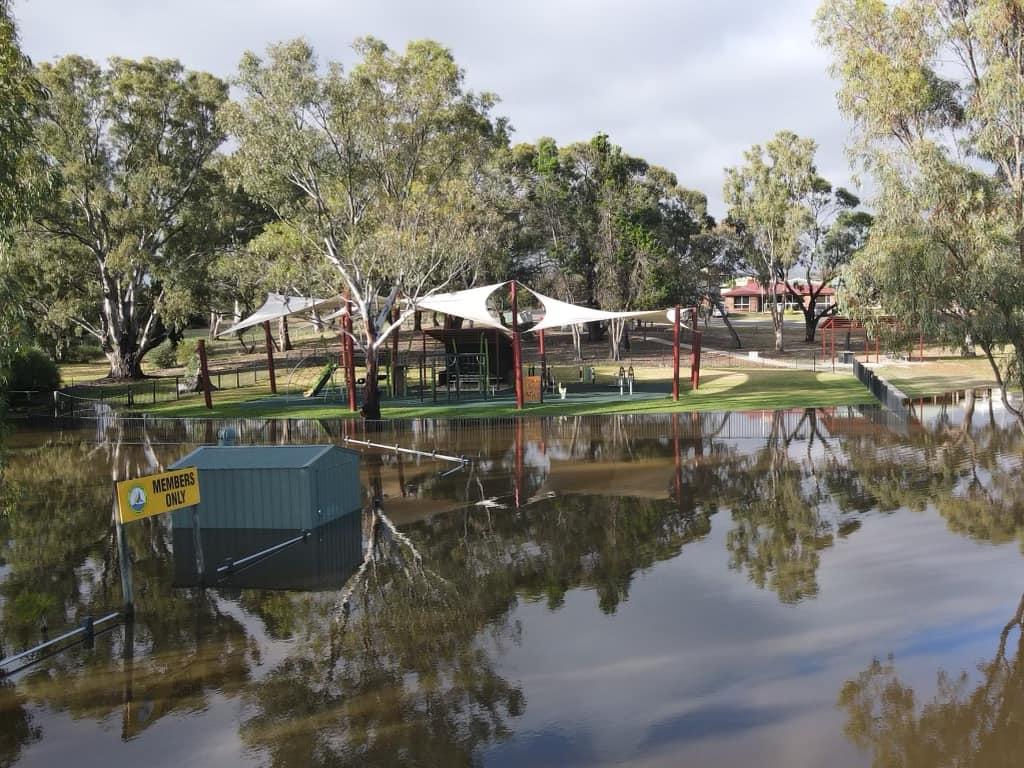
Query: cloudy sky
column 687, row 84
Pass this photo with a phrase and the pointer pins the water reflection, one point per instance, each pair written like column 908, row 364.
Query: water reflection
column 427, row 656
column 972, row 720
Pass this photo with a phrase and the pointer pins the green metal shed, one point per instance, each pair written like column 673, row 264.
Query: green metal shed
column 284, row 487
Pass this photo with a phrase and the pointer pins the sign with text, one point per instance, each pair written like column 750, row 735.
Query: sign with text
column 156, row 494
column 531, row 389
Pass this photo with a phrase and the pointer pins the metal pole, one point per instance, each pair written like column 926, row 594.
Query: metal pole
column 205, row 373
column 394, row 354
column 270, row 356
column 516, row 352
column 124, row 562
column 197, row 544
column 675, row 356
column 543, row 367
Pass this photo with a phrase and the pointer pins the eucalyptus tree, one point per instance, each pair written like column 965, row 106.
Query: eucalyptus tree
column 934, row 92
column 375, row 170
column 767, row 196
column 837, row 230
column 117, row 247
column 20, row 96
column 610, row 229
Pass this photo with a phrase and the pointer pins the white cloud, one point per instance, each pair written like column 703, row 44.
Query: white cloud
column 684, row 83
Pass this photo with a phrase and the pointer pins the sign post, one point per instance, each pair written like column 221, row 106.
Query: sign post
column 144, row 497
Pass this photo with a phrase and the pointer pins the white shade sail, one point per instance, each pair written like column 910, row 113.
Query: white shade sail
column 559, row 313
column 470, row 304
column 277, row 306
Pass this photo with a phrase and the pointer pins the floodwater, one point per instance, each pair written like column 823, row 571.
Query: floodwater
column 837, row 587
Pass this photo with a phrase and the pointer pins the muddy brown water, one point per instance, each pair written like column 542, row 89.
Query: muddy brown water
column 835, row 587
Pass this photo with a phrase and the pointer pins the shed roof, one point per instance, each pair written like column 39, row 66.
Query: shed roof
column 255, row 456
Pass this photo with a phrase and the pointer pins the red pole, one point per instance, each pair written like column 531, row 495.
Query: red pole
column 695, row 363
column 675, row 356
column 516, row 352
column 543, row 366
column 270, row 356
column 204, row 371
column 350, row 372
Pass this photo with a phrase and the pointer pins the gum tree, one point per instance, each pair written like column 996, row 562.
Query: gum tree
column 935, row 91
column 373, row 169
column 118, row 245
column 767, row 198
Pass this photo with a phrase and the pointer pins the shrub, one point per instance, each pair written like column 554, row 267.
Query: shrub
column 186, row 352
column 166, row 355
column 32, row 369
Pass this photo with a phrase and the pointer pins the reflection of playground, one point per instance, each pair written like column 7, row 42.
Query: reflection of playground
column 597, row 500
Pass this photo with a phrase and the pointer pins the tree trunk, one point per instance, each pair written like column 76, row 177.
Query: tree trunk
column 126, row 365
column 777, row 324
column 282, row 332
column 728, row 324
column 810, row 324
column 371, row 391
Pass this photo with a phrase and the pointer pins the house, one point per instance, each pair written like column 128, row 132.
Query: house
column 748, row 295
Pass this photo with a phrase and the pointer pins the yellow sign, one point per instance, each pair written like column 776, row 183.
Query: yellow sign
column 531, row 389
column 156, row 494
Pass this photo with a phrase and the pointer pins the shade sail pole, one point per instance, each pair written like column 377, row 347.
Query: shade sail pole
column 270, row 356
column 516, row 352
column 543, row 367
column 675, row 355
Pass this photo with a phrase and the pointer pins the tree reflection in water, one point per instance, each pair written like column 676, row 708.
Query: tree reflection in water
column 972, row 721
column 409, row 669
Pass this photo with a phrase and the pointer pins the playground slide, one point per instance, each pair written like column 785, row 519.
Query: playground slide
column 321, row 381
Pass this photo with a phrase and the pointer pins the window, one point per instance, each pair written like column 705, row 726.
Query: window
column 741, row 303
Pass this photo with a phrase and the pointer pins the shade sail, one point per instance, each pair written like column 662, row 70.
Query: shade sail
column 559, row 313
column 470, row 304
column 277, row 306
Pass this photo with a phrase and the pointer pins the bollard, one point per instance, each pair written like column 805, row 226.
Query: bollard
column 88, row 632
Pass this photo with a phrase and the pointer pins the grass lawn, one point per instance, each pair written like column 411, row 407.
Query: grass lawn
column 938, row 376
column 721, row 390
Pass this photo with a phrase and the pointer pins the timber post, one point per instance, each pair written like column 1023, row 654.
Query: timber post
column 204, row 372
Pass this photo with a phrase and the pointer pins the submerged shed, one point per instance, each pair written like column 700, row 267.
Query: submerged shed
column 282, row 487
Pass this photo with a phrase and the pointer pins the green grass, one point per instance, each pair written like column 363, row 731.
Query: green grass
column 938, row 376
column 721, row 390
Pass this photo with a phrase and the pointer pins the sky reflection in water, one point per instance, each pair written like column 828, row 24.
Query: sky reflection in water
column 804, row 588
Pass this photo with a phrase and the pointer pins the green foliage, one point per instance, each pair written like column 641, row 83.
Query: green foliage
column 186, row 354
column 20, row 95
column 934, row 92
column 166, row 355
column 768, row 199
column 118, row 247
column 31, row 369
column 392, row 201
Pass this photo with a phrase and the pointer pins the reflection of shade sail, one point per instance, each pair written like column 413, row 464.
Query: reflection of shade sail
column 559, row 313
column 469, row 304
column 277, row 306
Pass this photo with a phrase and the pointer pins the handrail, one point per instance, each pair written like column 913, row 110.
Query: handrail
column 87, row 626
